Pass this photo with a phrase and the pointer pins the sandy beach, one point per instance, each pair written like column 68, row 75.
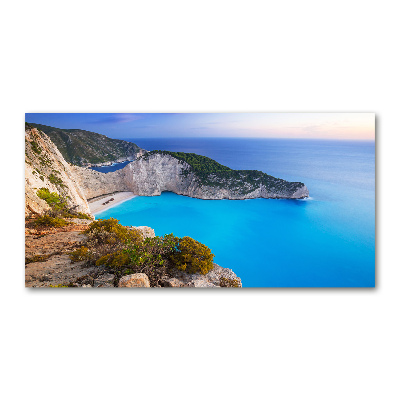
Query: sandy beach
column 97, row 205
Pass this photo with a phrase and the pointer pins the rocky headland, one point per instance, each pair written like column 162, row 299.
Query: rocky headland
column 156, row 172
column 61, row 195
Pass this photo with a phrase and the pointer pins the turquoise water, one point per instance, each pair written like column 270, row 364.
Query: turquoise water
column 326, row 241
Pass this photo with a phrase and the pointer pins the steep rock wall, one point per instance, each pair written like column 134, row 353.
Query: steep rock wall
column 160, row 172
column 95, row 184
column 45, row 167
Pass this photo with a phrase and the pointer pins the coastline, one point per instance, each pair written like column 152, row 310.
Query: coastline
column 97, row 205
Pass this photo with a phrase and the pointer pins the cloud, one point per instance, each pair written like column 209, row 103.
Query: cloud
column 117, row 118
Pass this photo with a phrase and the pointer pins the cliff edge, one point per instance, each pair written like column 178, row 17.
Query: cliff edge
column 45, row 167
column 156, row 172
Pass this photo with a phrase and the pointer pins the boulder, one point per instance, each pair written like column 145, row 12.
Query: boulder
column 173, row 282
column 217, row 277
column 146, row 231
column 134, row 280
column 105, row 280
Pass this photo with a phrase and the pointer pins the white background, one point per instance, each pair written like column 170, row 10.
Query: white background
column 131, row 56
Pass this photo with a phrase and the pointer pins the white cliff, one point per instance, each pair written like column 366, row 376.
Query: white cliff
column 157, row 173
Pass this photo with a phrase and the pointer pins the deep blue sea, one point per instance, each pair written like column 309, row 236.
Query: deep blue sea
column 111, row 168
column 325, row 241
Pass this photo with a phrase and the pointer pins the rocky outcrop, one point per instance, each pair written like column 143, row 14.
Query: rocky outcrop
column 134, row 280
column 45, row 167
column 95, row 184
column 48, row 262
column 146, row 231
column 217, row 277
column 157, row 173
column 104, row 280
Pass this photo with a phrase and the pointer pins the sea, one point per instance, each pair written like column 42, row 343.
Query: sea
column 327, row 240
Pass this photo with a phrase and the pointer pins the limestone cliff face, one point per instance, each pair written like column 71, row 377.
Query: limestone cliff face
column 161, row 172
column 45, row 167
column 95, row 184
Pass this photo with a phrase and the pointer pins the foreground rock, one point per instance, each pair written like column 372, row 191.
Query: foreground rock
column 217, row 277
column 134, row 280
column 48, row 262
column 48, row 265
column 104, row 280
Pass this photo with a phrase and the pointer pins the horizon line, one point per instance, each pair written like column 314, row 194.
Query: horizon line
column 247, row 137
column 216, row 137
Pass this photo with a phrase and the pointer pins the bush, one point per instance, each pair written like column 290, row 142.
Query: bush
column 52, row 199
column 47, row 221
column 110, row 232
column 117, row 260
column 193, row 256
column 35, row 147
column 152, row 251
column 55, row 180
column 37, row 258
column 81, row 254
column 60, row 285
column 150, row 256
column 125, row 251
column 58, row 205
column 81, row 216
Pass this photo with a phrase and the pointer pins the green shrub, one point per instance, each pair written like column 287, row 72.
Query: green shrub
column 35, row 147
column 110, row 231
column 37, row 258
column 193, row 256
column 116, row 260
column 55, row 180
column 81, row 254
column 60, row 285
column 125, row 251
column 47, row 221
column 58, row 205
column 81, row 215
column 152, row 252
column 51, row 198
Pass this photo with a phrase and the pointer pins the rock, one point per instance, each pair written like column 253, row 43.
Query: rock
column 202, row 282
column 105, row 280
column 173, row 282
column 96, row 184
column 146, row 231
column 45, row 167
column 162, row 172
column 134, row 280
column 211, row 279
column 218, row 273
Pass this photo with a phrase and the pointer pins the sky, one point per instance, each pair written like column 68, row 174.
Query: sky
column 344, row 126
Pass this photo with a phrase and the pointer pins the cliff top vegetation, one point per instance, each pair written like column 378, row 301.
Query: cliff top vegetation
column 80, row 147
column 211, row 173
column 124, row 251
